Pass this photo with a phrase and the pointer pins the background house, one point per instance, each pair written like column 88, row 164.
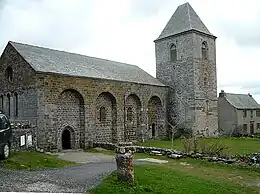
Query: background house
column 238, row 112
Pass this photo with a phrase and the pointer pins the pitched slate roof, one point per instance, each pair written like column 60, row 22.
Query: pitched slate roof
column 242, row 101
column 183, row 19
column 54, row 61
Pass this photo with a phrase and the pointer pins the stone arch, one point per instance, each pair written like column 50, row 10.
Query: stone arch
column 106, row 127
column 67, row 138
column 155, row 116
column 71, row 112
column 132, row 118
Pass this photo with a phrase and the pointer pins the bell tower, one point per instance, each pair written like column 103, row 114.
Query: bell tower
column 186, row 62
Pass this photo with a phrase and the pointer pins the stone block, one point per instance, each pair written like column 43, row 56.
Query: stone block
column 125, row 167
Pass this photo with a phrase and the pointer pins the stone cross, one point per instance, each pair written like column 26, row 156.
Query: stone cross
column 125, row 166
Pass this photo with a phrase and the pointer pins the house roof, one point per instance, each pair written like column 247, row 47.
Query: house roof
column 242, row 101
column 183, row 19
column 60, row 62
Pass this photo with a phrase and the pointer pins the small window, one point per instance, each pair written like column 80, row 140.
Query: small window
column 129, row 114
column 15, row 104
column 245, row 113
column 258, row 125
column 258, row 112
column 9, row 74
column 204, row 51
column 173, row 53
column 102, row 114
column 8, row 105
column 251, row 113
column 245, row 127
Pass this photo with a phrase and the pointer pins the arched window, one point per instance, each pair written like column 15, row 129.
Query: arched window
column 129, row 114
column 9, row 74
column 8, row 105
column 2, row 103
column 15, row 104
column 102, row 114
column 204, row 51
column 173, row 53
column 205, row 81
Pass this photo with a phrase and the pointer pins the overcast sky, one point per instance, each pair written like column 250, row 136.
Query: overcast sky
column 124, row 30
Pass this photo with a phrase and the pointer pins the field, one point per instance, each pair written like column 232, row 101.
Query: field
column 185, row 176
column 240, row 146
column 189, row 175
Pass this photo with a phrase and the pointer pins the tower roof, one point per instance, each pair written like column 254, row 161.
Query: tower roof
column 183, row 19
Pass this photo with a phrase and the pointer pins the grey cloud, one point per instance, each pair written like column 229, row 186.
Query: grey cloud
column 151, row 7
column 52, row 28
column 244, row 33
column 242, row 85
column 249, row 87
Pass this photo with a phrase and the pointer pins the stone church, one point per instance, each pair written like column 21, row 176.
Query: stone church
column 74, row 99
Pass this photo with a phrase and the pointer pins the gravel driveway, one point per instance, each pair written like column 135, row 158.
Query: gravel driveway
column 70, row 179
column 80, row 178
column 76, row 179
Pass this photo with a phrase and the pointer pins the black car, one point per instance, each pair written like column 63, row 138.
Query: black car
column 5, row 136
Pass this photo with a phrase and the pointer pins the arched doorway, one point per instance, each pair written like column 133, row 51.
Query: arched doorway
column 66, row 139
column 155, row 116
column 153, row 130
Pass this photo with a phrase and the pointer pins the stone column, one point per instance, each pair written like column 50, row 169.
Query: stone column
column 125, row 166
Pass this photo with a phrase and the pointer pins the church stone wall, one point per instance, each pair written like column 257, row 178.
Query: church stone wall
column 22, row 83
column 96, row 93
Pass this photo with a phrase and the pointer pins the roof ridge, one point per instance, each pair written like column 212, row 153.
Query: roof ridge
column 189, row 14
column 63, row 51
column 236, row 93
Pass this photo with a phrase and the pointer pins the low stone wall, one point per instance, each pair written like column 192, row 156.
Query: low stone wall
column 254, row 159
column 24, row 136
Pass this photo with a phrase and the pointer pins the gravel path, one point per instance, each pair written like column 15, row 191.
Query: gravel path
column 76, row 179
column 91, row 170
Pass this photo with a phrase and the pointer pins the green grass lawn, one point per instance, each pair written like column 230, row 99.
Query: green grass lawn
column 173, row 179
column 236, row 146
column 33, row 160
column 184, row 176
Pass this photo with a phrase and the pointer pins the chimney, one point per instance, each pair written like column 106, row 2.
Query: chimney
column 222, row 93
